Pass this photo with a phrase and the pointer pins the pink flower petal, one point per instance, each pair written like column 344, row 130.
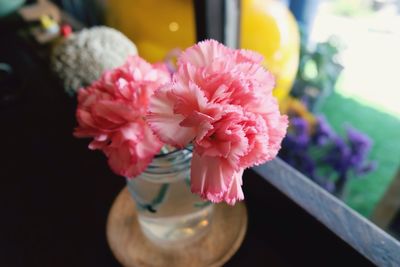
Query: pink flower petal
column 203, row 53
column 124, row 163
column 221, row 99
column 97, row 145
column 188, row 98
column 85, row 121
column 210, row 176
column 195, row 119
column 276, row 134
column 164, row 122
column 112, row 111
column 244, row 55
column 132, row 149
column 235, row 193
column 149, row 146
column 119, row 158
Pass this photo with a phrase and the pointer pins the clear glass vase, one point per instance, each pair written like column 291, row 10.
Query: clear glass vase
column 168, row 212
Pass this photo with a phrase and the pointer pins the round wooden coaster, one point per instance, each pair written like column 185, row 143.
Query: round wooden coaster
column 132, row 249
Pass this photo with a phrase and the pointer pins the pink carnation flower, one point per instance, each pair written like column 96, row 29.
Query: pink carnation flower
column 112, row 111
column 221, row 100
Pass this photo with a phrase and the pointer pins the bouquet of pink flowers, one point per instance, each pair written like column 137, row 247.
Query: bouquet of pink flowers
column 219, row 100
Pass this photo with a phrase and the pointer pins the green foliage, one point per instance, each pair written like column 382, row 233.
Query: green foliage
column 351, row 8
column 318, row 71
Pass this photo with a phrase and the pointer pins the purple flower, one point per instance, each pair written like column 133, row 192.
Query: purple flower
column 338, row 155
column 360, row 145
column 299, row 130
column 325, row 157
column 323, row 131
column 295, row 147
column 352, row 155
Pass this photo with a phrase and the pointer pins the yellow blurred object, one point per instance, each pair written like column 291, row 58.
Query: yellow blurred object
column 270, row 29
column 46, row 22
column 157, row 27
column 295, row 108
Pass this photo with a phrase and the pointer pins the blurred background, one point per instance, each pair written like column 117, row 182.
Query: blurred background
column 336, row 64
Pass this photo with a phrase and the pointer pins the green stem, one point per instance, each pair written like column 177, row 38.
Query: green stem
column 152, row 206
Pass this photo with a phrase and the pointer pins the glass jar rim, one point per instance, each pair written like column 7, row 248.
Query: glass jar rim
column 171, row 166
column 160, row 155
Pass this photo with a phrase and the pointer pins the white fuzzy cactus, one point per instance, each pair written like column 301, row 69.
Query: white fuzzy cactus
column 82, row 57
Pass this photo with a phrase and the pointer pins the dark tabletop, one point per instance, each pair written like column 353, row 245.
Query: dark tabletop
column 55, row 194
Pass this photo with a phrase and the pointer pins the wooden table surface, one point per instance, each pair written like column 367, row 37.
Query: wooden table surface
column 55, row 194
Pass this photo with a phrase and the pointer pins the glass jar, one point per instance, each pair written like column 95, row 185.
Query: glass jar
column 168, row 212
